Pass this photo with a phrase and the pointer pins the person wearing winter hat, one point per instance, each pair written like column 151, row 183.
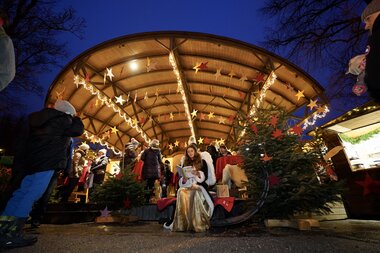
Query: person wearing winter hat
column 130, row 155
column 7, row 54
column 99, row 166
column 370, row 17
column 46, row 150
column 151, row 170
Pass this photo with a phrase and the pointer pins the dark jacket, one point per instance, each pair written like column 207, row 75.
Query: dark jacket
column 372, row 71
column 48, row 142
column 152, row 160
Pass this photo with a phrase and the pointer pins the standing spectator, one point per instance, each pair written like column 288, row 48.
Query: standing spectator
column 167, row 176
column 214, row 154
column 151, row 168
column 99, row 166
column 370, row 17
column 75, row 172
column 48, row 146
column 223, row 151
column 7, row 54
column 130, row 154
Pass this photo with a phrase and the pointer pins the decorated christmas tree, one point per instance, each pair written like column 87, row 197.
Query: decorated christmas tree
column 122, row 191
column 297, row 180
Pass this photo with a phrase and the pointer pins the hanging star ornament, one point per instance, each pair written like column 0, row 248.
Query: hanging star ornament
column 203, row 66
column 221, row 141
column 277, row 133
column 312, row 104
column 217, row 74
column 171, row 116
column 109, row 73
column 203, row 116
column 211, row 115
column 194, row 113
column 231, row 74
column 274, row 120
column 200, row 140
column 207, row 141
column 300, row 95
column 222, row 120
column 120, row 100
column 254, row 129
column 114, row 130
column 297, row 130
column 196, row 67
column 176, row 143
column 170, row 146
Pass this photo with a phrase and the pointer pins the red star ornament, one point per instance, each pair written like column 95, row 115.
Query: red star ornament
column 277, row 133
column 202, row 116
column 297, row 130
column 254, row 129
column 127, row 203
column 259, row 78
column 203, row 66
column 142, row 120
column 274, row 120
column 206, row 141
column 266, row 158
column 231, row 118
column 273, row 180
column 367, row 183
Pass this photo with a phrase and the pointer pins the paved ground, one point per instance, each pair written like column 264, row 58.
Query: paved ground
column 334, row 236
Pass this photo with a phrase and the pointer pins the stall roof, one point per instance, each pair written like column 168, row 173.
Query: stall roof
column 171, row 85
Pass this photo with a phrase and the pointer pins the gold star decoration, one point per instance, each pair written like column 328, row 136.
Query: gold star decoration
column 109, row 73
column 312, row 104
column 321, row 109
column 114, row 130
column 221, row 141
column 243, row 78
column 120, row 100
column 200, row 140
column 176, row 143
column 231, row 74
column 93, row 139
column 194, row 113
column 170, row 146
column 196, row 67
column 134, row 122
column 211, row 115
column 300, row 95
column 83, row 143
column 171, row 116
column 222, row 120
column 217, row 74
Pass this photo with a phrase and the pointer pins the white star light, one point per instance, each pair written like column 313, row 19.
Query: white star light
column 109, row 73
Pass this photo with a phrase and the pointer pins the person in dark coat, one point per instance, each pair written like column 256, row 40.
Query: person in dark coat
column 370, row 17
column 130, row 155
column 99, row 166
column 152, row 162
column 48, row 151
column 211, row 149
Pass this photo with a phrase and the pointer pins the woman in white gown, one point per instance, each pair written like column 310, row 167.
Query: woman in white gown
column 194, row 206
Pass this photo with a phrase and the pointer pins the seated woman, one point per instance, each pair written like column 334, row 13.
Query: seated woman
column 194, row 206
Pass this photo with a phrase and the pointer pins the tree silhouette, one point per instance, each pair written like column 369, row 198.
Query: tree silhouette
column 34, row 26
column 321, row 35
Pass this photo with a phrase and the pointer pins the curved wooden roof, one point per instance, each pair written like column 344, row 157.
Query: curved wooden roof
column 178, row 73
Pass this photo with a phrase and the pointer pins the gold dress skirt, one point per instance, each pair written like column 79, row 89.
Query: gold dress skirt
column 193, row 212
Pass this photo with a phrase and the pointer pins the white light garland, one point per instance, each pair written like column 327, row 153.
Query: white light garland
column 182, row 91
column 268, row 83
column 109, row 103
column 94, row 138
column 315, row 117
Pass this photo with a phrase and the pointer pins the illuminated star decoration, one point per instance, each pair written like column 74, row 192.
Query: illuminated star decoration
column 114, row 130
column 266, row 158
column 194, row 113
column 171, row 116
column 211, row 115
column 120, row 100
column 109, row 73
column 367, row 183
column 321, row 109
column 105, row 212
column 243, row 78
column 222, row 120
column 200, row 140
column 312, row 104
column 218, row 74
column 231, row 74
column 170, row 146
column 176, row 143
column 221, row 141
column 300, row 95
column 196, row 67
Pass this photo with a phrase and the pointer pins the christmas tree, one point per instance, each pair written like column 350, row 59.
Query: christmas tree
column 296, row 184
column 122, row 191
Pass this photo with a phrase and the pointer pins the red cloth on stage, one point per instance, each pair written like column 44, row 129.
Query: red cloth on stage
column 138, row 170
column 164, row 202
column 82, row 178
column 221, row 162
column 227, row 203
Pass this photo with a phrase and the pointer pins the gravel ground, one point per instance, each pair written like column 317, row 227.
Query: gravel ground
column 344, row 236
